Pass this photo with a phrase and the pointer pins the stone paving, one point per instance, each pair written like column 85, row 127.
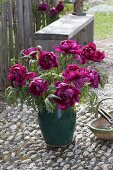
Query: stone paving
column 98, row 6
column 22, row 146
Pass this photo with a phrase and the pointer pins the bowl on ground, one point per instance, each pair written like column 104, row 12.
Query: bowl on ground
column 101, row 128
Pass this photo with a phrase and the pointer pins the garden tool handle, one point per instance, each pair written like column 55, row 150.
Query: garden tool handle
column 106, row 116
column 109, row 116
column 98, row 105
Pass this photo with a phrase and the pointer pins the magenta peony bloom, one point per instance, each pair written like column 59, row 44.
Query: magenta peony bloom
column 53, row 11
column 43, row 6
column 38, row 86
column 18, row 75
column 98, row 56
column 71, row 72
column 93, row 77
column 68, row 47
column 79, row 56
column 31, row 51
column 88, row 51
column 47, row 60
column 68, row 95
column 79, row 76
column 30, row 75
column 80, row 82
column 60, row 6
column 75, row 74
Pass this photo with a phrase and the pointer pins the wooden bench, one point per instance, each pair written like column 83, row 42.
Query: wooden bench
column 79, row 28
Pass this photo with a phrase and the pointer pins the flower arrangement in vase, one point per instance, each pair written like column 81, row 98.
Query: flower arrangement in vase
column 55, row 84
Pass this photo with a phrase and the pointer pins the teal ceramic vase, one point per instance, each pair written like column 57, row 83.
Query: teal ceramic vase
column 58, row 127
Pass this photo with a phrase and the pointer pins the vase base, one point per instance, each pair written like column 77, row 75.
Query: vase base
column 59, row 146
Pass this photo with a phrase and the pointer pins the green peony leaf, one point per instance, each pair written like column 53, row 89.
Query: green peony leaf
column 7, row 91
column 52, row 96
column 12, row 96
column 103, row 80
column 49, row 105
column 84, row 93
column 93, row 100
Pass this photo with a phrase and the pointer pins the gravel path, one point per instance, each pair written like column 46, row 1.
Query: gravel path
column 22, row 146
column 100, row 8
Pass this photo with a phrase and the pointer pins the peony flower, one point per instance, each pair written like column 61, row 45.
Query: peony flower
column 79, row 56
column 68, row 47
column 38, row 86
column 47, row 60
column 89, row 52
column 43, row 6
column 31, row 51
column 73, row 71
column 60, row 6
column 79, row 83
column 98, row 56
column 75, row 74
column 30, row 75
column 93, row 77
column 18, row 75
column 53, row 11
column 86, row 53
column 68, row 95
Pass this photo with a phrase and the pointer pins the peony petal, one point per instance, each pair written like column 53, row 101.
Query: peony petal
column 30, row 75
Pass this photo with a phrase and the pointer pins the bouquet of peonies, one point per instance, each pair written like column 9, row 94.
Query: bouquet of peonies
column 47, row 81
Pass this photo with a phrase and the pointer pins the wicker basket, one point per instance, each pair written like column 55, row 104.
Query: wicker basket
column 98, row 126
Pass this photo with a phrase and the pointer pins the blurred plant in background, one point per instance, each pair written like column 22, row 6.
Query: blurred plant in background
column 46, row 12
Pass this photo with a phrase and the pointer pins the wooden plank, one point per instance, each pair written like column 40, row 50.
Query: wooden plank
column 68, row 25
column 2, row 78
column 82, row 36
column 31, row 23
column 85, row 36
column 10, row 17
column 5, row 42
column 90, row 31
column 51, row 27
column 20, row 26
column 15, row 35
column 27, row 24
column 71, row 19
column 49, row 36
column 1, row 56
column 37, row 17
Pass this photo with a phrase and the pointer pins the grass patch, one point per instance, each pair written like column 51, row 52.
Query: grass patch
column 103, row 25
column 109, row 2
